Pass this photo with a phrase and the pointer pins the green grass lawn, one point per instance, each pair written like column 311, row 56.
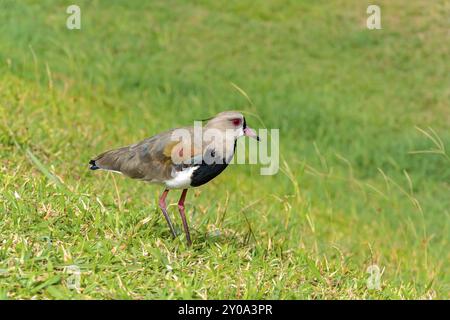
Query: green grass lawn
column 350, row 104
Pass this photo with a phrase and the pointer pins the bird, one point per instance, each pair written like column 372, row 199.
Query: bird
column 180, row 158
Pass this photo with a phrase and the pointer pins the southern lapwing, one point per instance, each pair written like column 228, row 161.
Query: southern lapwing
column 180, row 158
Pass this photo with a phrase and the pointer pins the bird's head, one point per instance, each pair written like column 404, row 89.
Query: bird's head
column 234, row 122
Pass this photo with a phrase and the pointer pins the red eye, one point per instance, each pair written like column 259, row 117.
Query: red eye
column 236, row 122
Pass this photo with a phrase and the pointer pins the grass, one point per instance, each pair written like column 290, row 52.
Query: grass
column 364, row 137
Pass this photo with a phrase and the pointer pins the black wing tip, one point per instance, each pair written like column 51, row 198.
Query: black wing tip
column 93, row 165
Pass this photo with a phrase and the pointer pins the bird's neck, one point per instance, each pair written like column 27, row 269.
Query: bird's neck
column 230, row 148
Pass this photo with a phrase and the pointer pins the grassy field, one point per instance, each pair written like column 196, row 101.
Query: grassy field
column 352, row 105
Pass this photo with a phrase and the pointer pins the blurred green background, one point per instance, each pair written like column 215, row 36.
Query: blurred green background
column 352, row 105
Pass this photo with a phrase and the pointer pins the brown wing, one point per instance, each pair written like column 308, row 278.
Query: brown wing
column 150, row 160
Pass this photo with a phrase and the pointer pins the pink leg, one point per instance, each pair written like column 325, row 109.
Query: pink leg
column 183, row 216
column 162, row 205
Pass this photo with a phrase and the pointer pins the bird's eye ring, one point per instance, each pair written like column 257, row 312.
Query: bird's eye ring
column 236, row 122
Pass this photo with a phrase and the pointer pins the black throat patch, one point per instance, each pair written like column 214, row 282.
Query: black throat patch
column 206, row 172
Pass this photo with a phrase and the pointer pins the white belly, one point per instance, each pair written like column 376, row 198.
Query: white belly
column 180, row 179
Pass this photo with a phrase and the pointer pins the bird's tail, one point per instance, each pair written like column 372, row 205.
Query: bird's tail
column 110, row 160
column 93, row 166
